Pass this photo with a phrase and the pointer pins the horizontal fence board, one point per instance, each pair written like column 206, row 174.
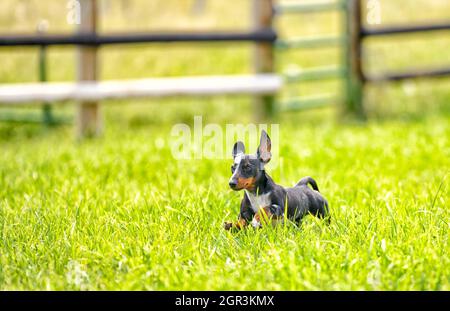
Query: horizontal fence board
column 265, row 35
column 311, row 42
column 413, row 74
column 314, row 73
column 390, row 30
column 154, row 87
column 308, row 102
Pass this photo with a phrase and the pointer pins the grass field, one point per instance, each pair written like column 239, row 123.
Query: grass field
column 118, row 212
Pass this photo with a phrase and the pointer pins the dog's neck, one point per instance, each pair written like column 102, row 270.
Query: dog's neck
column 263, row 185
column 260, row 196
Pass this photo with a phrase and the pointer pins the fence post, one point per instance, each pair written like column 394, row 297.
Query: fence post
column 88, row 117
column 47, row 117
column 263, row 61
column 355, row 77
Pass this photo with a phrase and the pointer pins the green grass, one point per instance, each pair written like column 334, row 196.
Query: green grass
column 118, row 212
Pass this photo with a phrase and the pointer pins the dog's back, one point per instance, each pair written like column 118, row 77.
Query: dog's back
column 302, row 200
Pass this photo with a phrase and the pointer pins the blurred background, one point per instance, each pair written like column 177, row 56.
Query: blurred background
column 387, row 53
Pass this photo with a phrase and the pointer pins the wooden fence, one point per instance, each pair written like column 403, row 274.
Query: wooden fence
column 264, row 84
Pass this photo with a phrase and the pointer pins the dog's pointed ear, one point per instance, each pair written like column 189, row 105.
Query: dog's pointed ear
column 238, row 148
column 264, row 148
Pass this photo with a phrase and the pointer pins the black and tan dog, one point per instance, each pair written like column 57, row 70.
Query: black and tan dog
column 264, row 200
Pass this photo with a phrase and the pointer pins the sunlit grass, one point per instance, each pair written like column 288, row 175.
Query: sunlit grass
column 121, row 213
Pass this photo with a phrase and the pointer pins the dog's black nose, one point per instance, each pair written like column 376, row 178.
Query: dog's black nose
column 232, row 184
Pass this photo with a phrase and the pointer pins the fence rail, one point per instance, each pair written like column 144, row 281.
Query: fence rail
column 266, row 35
column 311, row 42
column 156, row 87
column 308, row 102
column 391, row 30
column 315, row 73
column 413, row 74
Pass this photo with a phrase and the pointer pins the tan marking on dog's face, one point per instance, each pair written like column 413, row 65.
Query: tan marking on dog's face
column 246, row 183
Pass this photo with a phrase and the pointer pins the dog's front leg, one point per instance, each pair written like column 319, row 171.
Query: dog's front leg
column 245, row 216
column 277, row 214
column 273, row 214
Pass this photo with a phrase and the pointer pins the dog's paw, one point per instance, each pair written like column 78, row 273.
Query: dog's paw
column 227, row 225
column 256, row 223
